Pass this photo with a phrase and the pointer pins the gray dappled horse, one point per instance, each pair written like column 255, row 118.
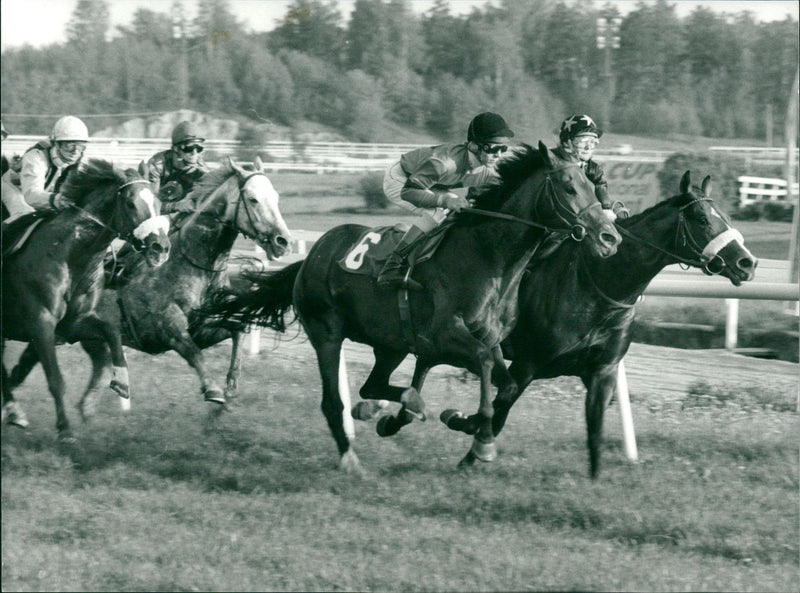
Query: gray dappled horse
column 52, row 284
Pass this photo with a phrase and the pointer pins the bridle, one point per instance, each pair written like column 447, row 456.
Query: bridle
column 706, row 258
column 130, row 237
column 574, row 228
column 225, row 222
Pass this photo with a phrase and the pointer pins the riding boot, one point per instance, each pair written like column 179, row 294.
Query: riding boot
column 393, row 272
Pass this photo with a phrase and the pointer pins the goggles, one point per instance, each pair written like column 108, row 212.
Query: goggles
column 72, row 145
column 584, row 143
column 191, row 148
column 493, row 148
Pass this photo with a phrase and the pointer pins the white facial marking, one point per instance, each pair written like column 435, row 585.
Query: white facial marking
column 148, row 198
column 153, row 225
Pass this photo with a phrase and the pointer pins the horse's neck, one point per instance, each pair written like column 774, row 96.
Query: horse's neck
column 625, row 276
column 82, row 239
column 208, row 240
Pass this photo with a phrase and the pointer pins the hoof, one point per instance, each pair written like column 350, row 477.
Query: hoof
column 483, row 451
column 122, row 389
column 65, row 437
column 14, row 415
column 456, row 420
column 214, row 395
column 468, row 461
column 367, row 410
column 350, row 464
column 413, row 403
column 388, row 426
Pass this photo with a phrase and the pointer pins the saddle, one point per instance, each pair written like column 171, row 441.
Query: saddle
column 368, row 255
column 16, row 233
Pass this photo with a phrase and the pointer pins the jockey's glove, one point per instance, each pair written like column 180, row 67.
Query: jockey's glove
column 58, row 201
column 454, row 202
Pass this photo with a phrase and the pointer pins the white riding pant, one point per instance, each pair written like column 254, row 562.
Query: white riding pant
column 13, row 200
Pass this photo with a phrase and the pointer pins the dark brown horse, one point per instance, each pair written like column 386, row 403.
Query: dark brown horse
column 470, row 299
column 51, row 286
column 576, row 310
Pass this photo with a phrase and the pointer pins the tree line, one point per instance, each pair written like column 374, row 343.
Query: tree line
column 534, row 61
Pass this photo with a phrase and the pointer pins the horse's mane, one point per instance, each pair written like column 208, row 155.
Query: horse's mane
column 91, row 175
column 513, row 170
column 212, row 180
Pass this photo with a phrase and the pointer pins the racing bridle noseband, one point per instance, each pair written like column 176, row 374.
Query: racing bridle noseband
column 706, row 258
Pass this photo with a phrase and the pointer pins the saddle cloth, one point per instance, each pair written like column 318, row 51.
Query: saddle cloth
column 17, row 232
column 368, row 255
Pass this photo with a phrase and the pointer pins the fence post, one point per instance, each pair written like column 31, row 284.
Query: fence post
column 628, row 435
column 731, row 324
column 344, row 395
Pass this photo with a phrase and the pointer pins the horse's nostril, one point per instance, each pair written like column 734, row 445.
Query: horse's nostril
column 608, row 238
column 746, row 264
column 281, row 241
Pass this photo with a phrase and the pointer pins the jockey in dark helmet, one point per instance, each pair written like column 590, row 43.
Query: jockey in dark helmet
column 175, row 171
column 422, row 180
column 578, row 138
column 45, row 166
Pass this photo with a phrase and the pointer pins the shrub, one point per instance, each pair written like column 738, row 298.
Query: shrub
column 702, row 394
column 372, row 191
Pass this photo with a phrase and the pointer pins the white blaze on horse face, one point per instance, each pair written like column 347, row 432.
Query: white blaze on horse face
column 149, row 199
column 155, row 225
column 261, row 188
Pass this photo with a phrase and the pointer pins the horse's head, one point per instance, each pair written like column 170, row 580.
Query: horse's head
column 566, row 202
column 705, row 236
column 122, row 202
column 255, row 213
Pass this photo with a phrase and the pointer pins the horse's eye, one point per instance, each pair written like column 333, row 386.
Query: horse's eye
column 571, row 190
column 702, row 219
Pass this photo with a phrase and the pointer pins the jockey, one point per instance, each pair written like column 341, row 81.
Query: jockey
column 45, row 166
column 578, row 137
column 175, row 171
column 422, row 180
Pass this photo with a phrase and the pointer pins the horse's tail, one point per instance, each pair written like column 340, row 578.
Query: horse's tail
column 263, row 302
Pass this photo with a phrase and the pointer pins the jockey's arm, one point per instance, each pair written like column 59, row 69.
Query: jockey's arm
column 419, row 190
column 32, row 179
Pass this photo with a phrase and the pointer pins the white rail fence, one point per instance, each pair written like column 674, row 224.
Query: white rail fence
column 772, row 283
column 762, row 190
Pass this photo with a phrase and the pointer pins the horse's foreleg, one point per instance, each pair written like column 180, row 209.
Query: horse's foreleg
column 178, row 338
column 24, row 366
column 44, row 340
column 377, row 386
column 93, row 328
column 235, row 367
column 521, row 373
column 101, row 359
column 11, row 411
column 600, row 387
column 412, row 404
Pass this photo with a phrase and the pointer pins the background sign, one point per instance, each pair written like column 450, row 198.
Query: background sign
column 633, row 180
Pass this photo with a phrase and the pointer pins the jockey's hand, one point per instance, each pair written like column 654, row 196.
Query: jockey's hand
column 16, row 163
column 610, row 214
column 59, row 202
column 182, row 206
column 454, row 202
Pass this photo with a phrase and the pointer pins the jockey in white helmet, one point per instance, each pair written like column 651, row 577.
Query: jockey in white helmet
column 45, row 166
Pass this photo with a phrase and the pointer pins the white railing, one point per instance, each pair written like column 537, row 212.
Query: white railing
column 759, row 190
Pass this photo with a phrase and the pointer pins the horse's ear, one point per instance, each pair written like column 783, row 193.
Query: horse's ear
column 546, row 154
column 144, row 170
column 686, row 182
column 237, row 169
column 259, row 164
column 706, row 186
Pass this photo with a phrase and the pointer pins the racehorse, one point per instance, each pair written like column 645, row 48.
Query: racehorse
column 576, row 311
column 52, row 284
column 469, row 303
column 153, row 309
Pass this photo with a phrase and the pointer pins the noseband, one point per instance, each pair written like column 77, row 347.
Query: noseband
column 706, row 256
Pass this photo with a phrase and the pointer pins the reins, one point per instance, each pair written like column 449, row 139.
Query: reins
column 86, row 214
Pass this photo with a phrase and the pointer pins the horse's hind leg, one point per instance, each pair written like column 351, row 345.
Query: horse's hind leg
column 101, row 359
column 43, row 337
column 377, row 386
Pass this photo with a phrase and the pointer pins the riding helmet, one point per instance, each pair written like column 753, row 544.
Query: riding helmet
column 186, row 131
column 486, row 126
column 70, row 129
column 576, row 125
